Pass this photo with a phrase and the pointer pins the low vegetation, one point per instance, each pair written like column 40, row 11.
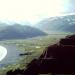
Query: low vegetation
column 35, row 45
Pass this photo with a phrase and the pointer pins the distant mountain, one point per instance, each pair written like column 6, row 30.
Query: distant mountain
column 17, row 31
column 58, row 24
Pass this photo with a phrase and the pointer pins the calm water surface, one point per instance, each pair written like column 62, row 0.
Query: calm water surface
column 12, row 55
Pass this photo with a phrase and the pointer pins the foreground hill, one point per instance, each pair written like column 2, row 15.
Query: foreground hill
column 17, row 31
column 58, row 24
column 56, row 59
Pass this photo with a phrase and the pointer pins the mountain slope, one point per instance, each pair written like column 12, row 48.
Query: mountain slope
column 17, row 31
column 58, row 24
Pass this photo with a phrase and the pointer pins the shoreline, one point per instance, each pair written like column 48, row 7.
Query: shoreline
column 3, row 53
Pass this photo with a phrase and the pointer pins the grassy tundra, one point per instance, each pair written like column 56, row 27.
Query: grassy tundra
column 34, row 45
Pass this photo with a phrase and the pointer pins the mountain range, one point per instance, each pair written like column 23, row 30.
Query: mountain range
column 58, row 24
column 18, row 31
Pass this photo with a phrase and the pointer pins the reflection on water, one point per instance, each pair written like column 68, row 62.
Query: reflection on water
column 12, row 55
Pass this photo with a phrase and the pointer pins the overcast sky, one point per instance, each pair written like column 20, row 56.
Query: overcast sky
column 34, row 10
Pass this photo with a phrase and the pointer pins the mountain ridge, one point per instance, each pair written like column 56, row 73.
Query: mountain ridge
column 18, row 31
column 58, row 24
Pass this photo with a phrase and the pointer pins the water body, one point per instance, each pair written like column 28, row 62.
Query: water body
column 3, row 52
column 12, row 56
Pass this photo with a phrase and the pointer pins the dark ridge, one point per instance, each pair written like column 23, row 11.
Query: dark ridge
column 17, row 31
column 56, row 59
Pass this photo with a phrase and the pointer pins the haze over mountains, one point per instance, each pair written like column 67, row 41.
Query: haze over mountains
column 52, row 25
column 18, row 31
column 58, row 24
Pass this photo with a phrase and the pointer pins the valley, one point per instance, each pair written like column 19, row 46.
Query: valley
column 34, row 45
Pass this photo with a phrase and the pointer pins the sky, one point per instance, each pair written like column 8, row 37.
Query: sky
column 24, row 11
